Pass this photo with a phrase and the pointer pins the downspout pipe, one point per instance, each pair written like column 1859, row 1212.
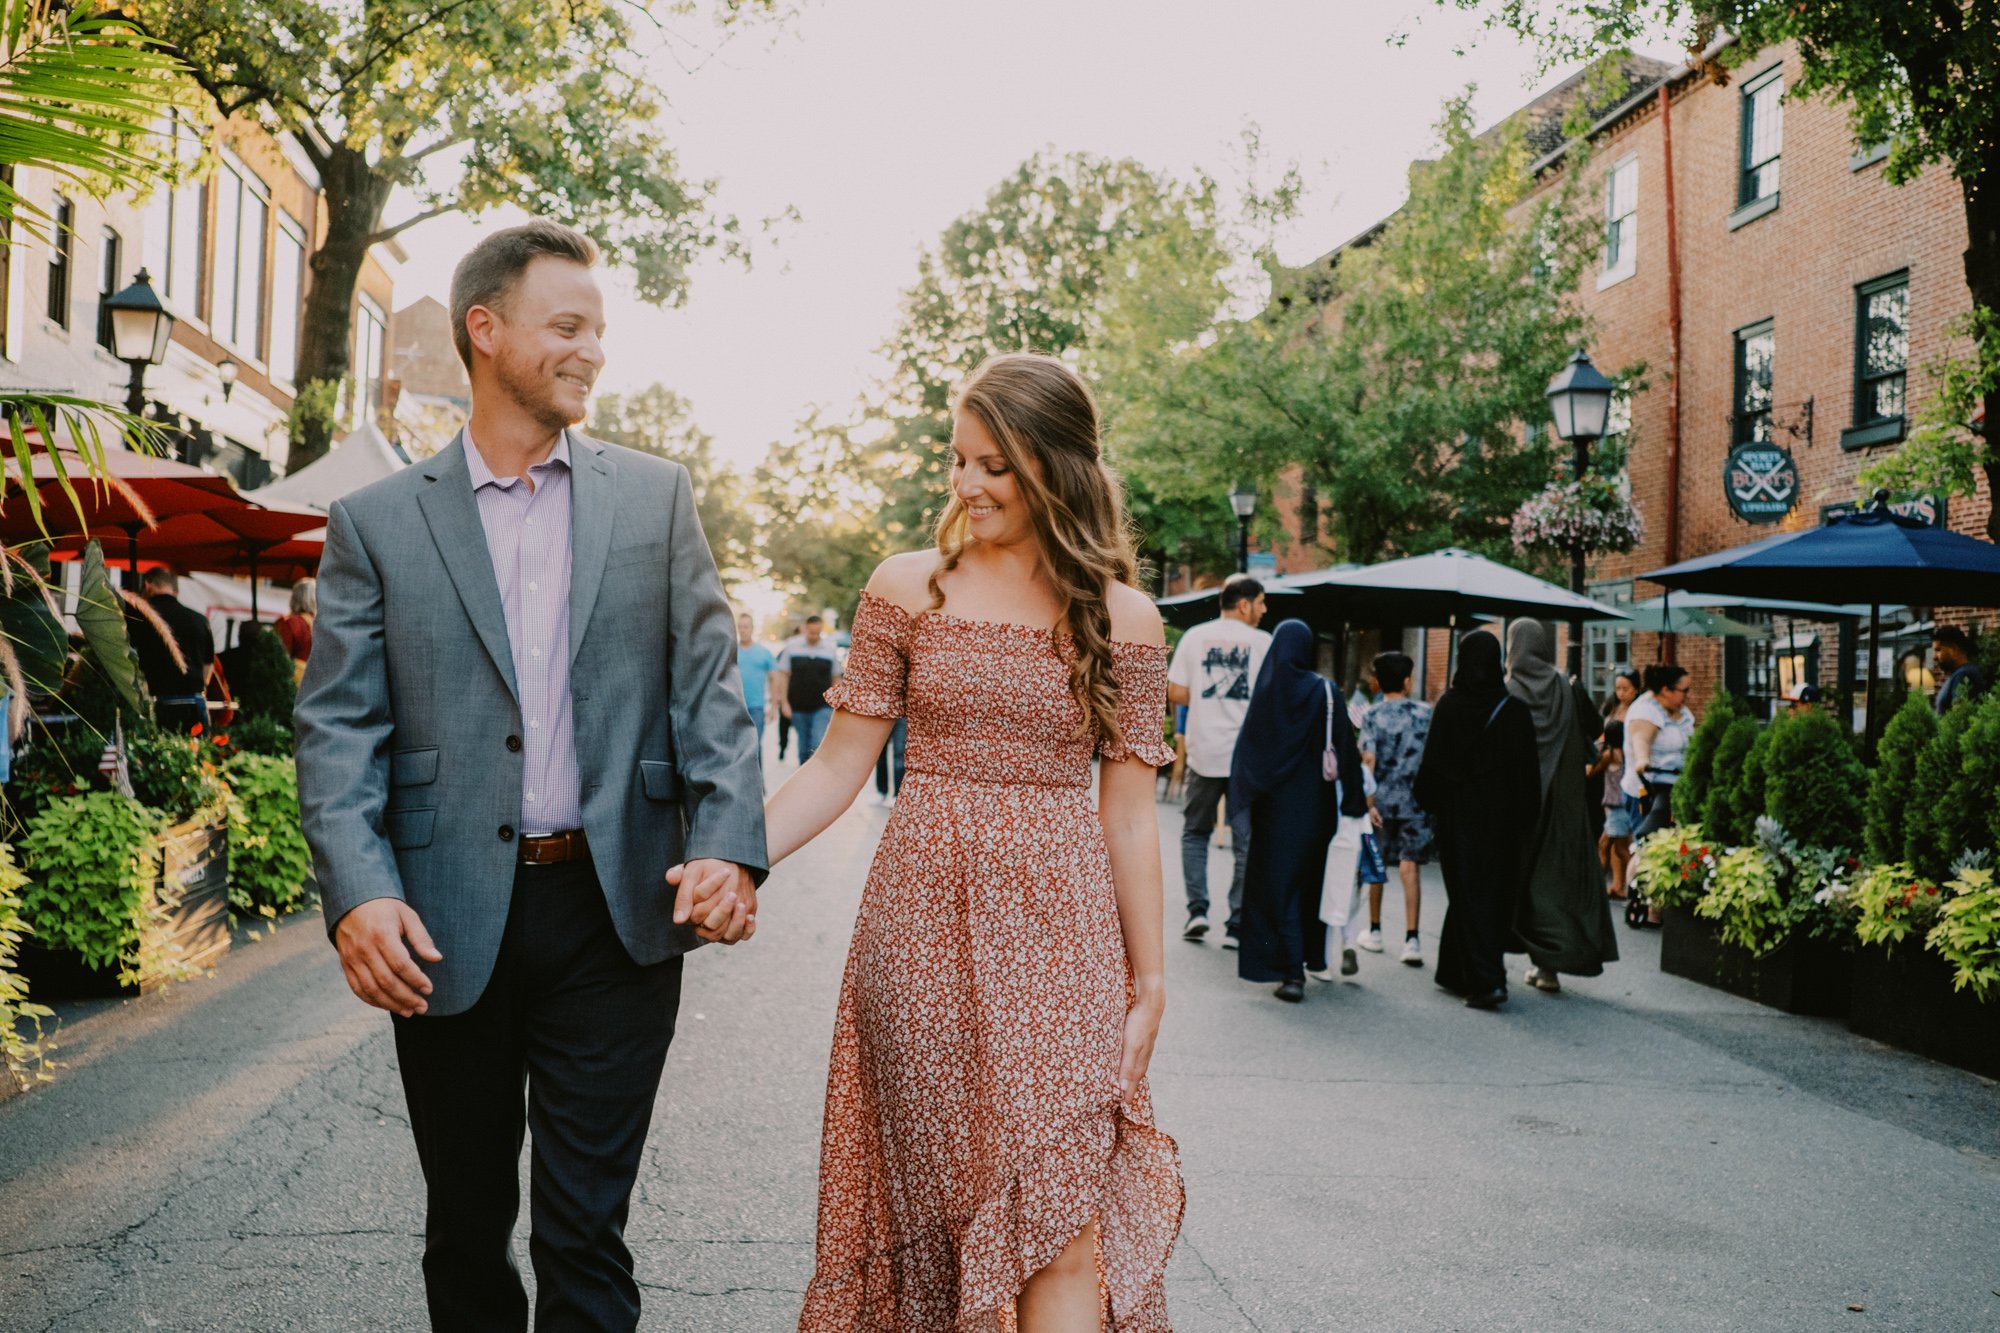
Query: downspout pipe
column 1673, row 526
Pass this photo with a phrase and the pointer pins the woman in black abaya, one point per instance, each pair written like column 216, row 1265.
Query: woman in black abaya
column 1479, row 782
column 1562, row 919
column 1278, row 776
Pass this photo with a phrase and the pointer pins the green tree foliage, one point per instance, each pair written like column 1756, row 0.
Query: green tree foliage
column 818, row 537
column 656, row 420
column 460, row 106
column 1726, row 816
column 1950, row 810
column 1698, row 769
column 1904, row 740
column 1097, row 260
column 1917, row 75
column 1814, row 784
column 1753, row 789
column 1396, row 383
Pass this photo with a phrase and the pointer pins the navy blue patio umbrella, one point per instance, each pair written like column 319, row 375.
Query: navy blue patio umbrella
column 1871, row 556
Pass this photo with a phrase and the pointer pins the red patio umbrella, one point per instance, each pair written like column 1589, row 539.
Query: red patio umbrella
column 134, row 491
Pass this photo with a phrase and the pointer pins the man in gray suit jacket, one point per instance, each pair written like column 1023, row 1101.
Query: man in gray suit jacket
column 521, row 710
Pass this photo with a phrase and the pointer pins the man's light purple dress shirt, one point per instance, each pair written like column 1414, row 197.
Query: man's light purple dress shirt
column 528, row 538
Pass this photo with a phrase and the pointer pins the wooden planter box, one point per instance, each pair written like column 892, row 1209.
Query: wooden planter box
column 1800, row 976
column 192, row 889
column 1904, row 997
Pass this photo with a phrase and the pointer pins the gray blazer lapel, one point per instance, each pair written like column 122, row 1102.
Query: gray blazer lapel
column 593, row 499
column 453, row 514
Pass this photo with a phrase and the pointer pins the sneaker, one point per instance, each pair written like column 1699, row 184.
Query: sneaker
column 1196, row 927
column 1372, row 941
column 1326, row 976
column 1413, row 951
column 1349, row 964
column 1229, row 941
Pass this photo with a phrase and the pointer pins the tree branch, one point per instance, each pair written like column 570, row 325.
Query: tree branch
column 390, row 233
column 382, row 51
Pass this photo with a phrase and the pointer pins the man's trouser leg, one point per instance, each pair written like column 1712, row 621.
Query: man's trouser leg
column 1201, row 796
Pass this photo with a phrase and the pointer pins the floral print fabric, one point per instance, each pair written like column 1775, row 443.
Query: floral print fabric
column 973, row 1121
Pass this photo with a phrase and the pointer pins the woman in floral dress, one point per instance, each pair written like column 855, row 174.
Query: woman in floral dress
column 989, row 1158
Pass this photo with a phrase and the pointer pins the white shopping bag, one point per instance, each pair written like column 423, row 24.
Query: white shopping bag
column 1340, row 894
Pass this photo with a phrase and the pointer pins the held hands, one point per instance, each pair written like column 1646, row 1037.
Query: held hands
column 718, row 897
column 379, row 968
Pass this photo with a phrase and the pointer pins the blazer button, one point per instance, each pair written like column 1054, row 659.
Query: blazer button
column 514, row 743
column 506, row 833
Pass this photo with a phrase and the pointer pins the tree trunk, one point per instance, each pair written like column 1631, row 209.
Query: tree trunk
column 1982, row 275
column 355, row 197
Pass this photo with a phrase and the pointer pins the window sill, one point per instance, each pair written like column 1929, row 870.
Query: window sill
column 1753, row 210
column 1611, row 277
column 1868, row 157
column 1875, row 432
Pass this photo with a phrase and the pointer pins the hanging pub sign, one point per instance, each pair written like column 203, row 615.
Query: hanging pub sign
column 1927, row 509
column 1762, row 482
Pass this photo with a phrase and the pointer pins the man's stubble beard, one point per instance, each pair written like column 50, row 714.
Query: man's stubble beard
column 532, row 394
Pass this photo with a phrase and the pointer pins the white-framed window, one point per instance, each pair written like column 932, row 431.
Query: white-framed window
column 1621, row 223
column 242, row 210
column 371, row 331
column 176, row 229
column 110, row 271
column 288, row 266
column 62, row 260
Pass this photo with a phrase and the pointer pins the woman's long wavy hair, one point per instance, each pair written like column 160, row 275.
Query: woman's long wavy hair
column 1044, row 419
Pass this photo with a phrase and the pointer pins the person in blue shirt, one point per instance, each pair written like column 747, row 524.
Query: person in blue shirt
column 754, row 662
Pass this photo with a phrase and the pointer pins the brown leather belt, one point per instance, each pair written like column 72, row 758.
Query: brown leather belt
column 555, row 849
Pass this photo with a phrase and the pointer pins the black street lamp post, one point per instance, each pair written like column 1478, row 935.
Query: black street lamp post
column 140, row 329
column 1244, row 501
column 1580, row 401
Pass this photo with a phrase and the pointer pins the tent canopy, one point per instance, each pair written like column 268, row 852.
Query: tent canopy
column 365, row 456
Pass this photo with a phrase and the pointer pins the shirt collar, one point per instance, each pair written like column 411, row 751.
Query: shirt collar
column 482, row 475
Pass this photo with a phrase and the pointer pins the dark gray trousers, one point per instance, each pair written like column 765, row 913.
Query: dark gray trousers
column 567, row 1043
column 1202, row 799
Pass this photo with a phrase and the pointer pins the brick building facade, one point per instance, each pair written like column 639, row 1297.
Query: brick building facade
column 1787, row 249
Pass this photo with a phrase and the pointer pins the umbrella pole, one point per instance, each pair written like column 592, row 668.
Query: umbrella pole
column 1667, row 626
column 131, row 557
column 253, row 587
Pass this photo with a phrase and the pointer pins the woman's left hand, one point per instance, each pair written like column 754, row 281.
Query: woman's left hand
column 1142, row 1029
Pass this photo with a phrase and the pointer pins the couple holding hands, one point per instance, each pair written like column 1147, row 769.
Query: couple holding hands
column 522, row 710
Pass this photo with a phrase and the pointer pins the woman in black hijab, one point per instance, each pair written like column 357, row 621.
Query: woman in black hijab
column 1562, row 919
column 1278, row 775
column 1479, row 783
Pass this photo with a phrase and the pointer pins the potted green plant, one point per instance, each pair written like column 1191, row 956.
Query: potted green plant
column 1927, row 974
column 270, row 868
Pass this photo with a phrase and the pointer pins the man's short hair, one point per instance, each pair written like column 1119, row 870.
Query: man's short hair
column 162, row 578
column 1392, row 669
column 1240, row 588
column 489, row 271
column 814, row 620
column 1954, row 636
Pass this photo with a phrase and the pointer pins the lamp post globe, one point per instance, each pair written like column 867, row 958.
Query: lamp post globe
column 141, row 327
column 1580, row 406
column 1243, row 500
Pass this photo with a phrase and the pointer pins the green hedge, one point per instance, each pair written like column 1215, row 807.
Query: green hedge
column 1813, row 784
column 1698, row 769
column 268, row 862
column 1890, row 785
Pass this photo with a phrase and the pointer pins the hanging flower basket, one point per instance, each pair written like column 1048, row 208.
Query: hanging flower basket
column 1593, row 515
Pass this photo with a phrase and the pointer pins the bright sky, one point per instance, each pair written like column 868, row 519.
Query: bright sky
column 882, row 120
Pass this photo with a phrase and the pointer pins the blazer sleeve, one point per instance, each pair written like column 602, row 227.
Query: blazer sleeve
column 342, row 726
column 715, row 742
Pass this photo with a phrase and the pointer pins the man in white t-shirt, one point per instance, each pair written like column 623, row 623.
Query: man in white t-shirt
column 1214, row 668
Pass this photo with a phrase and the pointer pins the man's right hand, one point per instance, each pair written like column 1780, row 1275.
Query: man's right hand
column 379, row 967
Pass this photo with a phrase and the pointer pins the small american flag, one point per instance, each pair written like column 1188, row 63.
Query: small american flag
column 113, row 763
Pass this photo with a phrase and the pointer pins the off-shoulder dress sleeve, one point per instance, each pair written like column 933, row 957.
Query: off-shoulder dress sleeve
column 1141, row 670
column 878, row 661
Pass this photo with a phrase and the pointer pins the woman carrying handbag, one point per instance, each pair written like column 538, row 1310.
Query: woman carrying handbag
column 1296, row 770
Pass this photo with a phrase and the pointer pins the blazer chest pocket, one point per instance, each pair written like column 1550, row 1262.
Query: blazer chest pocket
column 658, row 780
column 639, row 553
column 411, row 828
column 413, row 768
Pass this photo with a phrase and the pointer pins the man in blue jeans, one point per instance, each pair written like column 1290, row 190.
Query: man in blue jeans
column 807, row 668
column 754, row 664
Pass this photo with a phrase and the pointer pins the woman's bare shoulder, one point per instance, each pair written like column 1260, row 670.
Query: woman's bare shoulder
column 1134, row 618
column 905, row 579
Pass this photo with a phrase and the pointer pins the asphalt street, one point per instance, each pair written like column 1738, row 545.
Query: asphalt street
column 1637, row 1153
